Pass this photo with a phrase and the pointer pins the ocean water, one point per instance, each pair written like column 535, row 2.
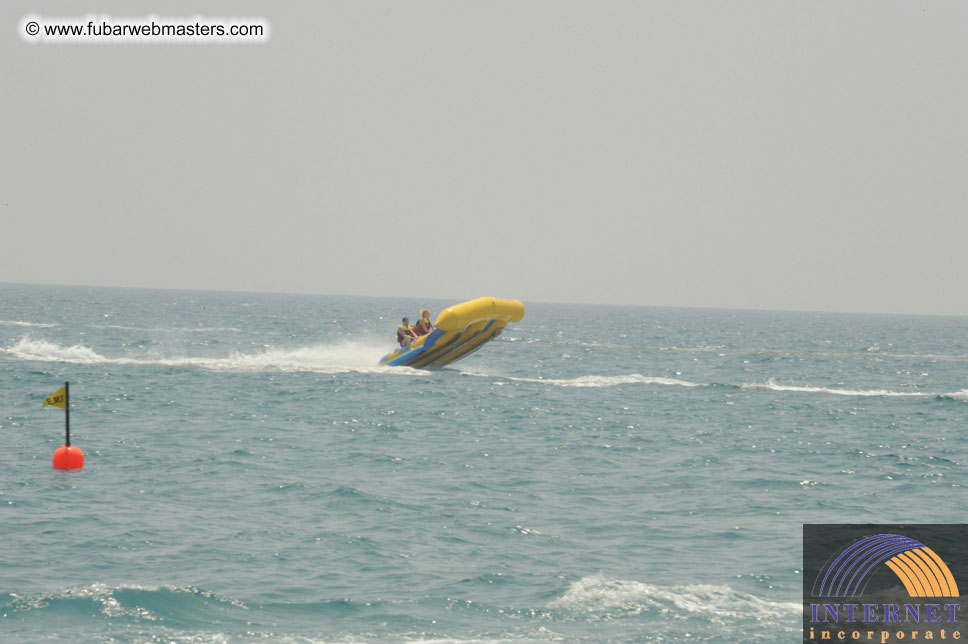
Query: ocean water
column 598, row 474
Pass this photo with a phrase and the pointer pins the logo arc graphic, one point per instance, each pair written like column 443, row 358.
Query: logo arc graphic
column 919, row 569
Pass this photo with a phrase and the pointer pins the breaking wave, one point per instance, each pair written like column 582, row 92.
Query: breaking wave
column 606, row 598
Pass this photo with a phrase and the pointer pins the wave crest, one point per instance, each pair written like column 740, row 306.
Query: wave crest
column 140, row 602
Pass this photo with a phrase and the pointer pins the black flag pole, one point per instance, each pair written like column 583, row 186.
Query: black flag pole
column 67, row 414
column 66, row 457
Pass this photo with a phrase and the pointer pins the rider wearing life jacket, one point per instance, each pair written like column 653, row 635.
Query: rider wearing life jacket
column 405, row 334
column 424, row 326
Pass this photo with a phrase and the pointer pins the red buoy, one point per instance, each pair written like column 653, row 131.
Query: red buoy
column 68, row 457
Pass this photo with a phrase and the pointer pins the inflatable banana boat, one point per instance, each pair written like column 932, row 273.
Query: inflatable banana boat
column 461, row 330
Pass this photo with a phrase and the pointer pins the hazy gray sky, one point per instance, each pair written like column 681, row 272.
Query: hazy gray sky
column 751, row 154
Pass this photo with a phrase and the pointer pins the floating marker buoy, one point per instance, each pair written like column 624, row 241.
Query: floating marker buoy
column 68, row 457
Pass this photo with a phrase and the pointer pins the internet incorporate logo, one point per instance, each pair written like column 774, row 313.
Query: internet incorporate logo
column 883, row 585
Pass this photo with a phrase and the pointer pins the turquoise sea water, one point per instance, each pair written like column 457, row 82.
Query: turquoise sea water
column 598, row 474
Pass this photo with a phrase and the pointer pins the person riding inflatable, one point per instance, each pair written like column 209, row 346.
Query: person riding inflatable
column 424, row 326
column 405, row 334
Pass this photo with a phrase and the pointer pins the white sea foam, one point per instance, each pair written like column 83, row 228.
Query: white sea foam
column 362, row 357
column 773, row 385
column 43, row 351
column 609, row 381
column 598, row 594
column 957, row 395
column 43, row 325
column 321, row 358
column 172, row 329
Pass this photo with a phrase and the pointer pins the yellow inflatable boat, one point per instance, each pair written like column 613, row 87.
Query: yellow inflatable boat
column 461, row 330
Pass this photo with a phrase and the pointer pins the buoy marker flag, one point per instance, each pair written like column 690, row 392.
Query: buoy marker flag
column 67, row 456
